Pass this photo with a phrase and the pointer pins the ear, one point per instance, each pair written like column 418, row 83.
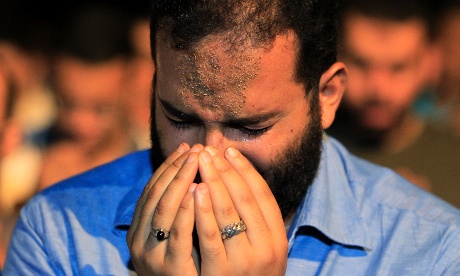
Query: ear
column 331, row 88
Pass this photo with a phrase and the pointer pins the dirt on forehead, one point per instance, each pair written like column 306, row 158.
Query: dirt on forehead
column 217, row 76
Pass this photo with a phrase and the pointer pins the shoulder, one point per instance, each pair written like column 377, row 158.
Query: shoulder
column 381, row 188
column 111, row 180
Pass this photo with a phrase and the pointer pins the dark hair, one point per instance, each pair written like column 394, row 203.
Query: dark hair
column 446, row 9
column 256, row 22
column 393, row 10
column 94, row 32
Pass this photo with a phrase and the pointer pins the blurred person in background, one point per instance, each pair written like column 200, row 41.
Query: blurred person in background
column 24, row 47
column 391, row 57
column 448, row 38
column 88, row 77
column 141, row 70
column 25, row 42
column 10, row 136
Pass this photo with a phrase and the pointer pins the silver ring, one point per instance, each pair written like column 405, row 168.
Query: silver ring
column 160, row 234
column 232, row 229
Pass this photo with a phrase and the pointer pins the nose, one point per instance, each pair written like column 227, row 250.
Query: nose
column 379, row 80
column 216, row 138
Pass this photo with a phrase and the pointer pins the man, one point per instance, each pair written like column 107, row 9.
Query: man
column 448, row 38
column 243, row 91
column 388, row 49
column 9, row 139
column 88, row 77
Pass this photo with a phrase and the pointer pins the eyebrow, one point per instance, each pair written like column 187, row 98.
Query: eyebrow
column 251, row 120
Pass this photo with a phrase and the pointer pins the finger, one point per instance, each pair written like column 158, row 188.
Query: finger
column 160, row 210
column 180, row 244
column 168, row 205
column 221, row 201
column 261, row 191
column 146, row 209
column 258, row 186
column 211, row 247
column 245, row 202
column 181, row 149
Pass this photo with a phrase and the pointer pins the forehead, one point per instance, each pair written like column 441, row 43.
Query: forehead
column 79, row 80
column 221, row 77
column 211, row 72
column 383, row 39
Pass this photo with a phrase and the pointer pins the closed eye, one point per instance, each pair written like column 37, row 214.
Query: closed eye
column 234, row 128
column 184, row 125
column 180, row 124
column 251, row 131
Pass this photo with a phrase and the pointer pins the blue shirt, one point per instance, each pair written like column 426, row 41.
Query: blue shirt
column 356, row 219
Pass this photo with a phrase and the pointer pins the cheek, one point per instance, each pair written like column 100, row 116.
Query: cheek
column 406, row 100
column 405, row 88
column 268, row 150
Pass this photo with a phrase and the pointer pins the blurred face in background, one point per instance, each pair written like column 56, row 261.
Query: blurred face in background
column 387, row 64
column 88, row 98
column 449, row 41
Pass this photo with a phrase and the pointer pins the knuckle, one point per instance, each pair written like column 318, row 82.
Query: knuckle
column 247, row 199
column 244, row 165
column 269, row 258
column 214, row 237
column 207, row 209
column 136, row 248
column 153, row 192
column 266, row 193
column 225, row 167
column 178, row 163
column 213, row 252
column 161, row 209
column 226, row 212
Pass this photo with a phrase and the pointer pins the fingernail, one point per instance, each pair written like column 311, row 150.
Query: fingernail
column 192, row 187
column 232, row 152
column 202, row 189
column 212, row 150
column 181, row 148
column 191, row 157
column 196, row 148
column 206, row 157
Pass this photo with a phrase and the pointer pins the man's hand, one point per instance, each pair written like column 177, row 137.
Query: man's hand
column 166, row 204
column 232, row 190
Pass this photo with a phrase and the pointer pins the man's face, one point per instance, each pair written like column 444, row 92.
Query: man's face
column 89, row 100
column 246, row 99
column 385, row 63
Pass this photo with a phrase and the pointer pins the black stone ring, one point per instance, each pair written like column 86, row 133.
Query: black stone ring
column 160, row 234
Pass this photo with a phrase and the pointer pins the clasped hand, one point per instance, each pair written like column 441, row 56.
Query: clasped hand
column 230, row 190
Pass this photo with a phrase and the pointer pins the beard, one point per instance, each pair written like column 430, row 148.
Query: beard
column 295, row 169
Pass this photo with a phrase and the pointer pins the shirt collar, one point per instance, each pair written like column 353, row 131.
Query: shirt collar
column 330, row 204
